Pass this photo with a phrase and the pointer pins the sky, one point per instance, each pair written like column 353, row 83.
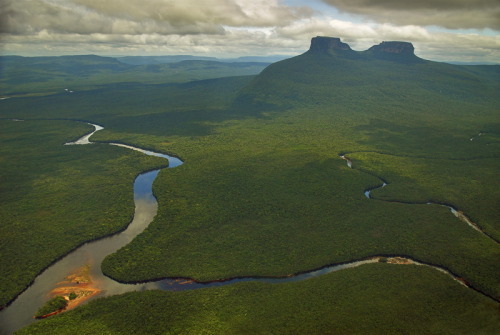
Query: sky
column 441, row 30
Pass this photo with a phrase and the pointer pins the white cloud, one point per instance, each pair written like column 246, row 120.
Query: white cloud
column 435, row 46
column 453, row 14
column 138, row 16
column 211, row 27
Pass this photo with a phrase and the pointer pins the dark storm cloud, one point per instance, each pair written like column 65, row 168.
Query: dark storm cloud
column 241, row 27
column 141, row 17
column 453, row 14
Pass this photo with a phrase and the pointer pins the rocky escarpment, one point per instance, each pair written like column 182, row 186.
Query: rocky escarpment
column 392, row 50
column 331, row 45
column 403, row 48
column 403, row 52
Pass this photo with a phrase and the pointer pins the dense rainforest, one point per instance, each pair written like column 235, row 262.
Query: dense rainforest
column 263, row 191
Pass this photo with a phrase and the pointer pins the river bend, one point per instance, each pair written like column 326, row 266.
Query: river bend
column 457, row 213
column 20, row 312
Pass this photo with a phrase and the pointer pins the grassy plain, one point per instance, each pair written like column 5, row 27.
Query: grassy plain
column 372, row 299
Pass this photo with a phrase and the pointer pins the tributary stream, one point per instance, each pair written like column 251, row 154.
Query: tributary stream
column 21, row 311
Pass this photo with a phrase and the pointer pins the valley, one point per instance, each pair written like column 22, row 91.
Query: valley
column 263, row 193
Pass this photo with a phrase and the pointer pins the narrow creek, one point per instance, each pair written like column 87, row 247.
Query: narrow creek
column 459, row 214
column 20, row 312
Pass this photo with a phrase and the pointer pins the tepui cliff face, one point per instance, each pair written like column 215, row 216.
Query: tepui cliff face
column 404, row 48
column 325, row 44
column 330, row 72
column 392, row 50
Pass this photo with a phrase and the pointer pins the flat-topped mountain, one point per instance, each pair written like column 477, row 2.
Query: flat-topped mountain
column 395, row 51
column 328, row 44
column 401, row 48
column 392, row 50
column 330, row 72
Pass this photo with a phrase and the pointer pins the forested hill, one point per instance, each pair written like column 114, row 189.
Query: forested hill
column 20, row 76
column 331, row 72
column 68, row 65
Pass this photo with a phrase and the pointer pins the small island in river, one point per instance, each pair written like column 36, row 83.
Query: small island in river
column 75, row 289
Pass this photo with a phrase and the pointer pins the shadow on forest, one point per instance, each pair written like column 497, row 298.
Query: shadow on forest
column 182, row 122
column 414, row 140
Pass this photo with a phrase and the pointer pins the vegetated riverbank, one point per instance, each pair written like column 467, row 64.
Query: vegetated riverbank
column 457, row 213
column 85, row 140
column 17, row 315
column 303, row 275
column 374, row 298
column 277, row 203
column 359, row 186
column 76, row 288
column 50, row 191
column 264, row 193
column 423, row 180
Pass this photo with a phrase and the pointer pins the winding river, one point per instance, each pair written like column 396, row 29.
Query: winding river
column 460, row 215
column 20, row 312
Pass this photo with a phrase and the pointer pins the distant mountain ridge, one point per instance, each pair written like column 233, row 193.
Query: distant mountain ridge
column 144, row 60
column 77, row 65
column 21, row 75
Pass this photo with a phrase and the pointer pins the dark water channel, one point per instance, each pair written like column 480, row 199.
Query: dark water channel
column 460, row 215
column 20, row 312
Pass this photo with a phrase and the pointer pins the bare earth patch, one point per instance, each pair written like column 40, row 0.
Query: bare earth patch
column 76, row 288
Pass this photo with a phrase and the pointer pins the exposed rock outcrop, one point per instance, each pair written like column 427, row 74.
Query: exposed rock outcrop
column 395, row 51
column 392, row 50
column 394, row 47
column 328, row 44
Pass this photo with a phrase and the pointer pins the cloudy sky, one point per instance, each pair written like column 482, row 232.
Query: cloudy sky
column 459, row 30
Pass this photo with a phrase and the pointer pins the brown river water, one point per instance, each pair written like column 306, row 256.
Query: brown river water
column 20, row 312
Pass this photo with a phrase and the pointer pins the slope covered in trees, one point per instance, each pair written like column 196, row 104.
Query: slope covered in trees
column 263, row 190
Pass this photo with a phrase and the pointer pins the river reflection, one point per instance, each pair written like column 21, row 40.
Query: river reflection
column 20, row 312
